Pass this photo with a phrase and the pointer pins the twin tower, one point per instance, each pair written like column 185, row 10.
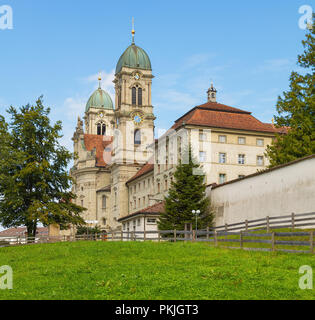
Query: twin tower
column 122, row 132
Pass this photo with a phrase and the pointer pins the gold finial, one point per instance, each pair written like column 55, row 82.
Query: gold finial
column 273, row 121
column 133, row 30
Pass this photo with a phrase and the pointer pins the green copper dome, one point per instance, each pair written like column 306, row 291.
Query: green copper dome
column 99, row 100
column 134, row 57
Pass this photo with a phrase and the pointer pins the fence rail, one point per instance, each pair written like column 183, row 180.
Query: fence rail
column 242, row 234
column 274, row 240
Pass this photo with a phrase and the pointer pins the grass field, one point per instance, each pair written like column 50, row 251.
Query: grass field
column 135, row 270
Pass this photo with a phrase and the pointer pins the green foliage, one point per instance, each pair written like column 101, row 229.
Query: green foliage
column 296, row 109
column 187, row 193
column 88, row 230
column 34, row 181
column 102, row 270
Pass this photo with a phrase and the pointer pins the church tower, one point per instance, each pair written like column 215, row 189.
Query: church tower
column 134, row 136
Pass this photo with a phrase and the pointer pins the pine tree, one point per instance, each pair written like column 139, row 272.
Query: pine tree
column 296, row 110
column 186, row 193
column 34, row 181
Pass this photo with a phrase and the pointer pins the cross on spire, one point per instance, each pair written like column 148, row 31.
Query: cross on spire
column 133, row 30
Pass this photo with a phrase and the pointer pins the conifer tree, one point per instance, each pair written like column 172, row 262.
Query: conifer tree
column 34, row 180
column 296, row 110
column 187, row 193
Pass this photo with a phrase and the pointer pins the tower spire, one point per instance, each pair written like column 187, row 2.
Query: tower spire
column 133, row 30
column 99, row 80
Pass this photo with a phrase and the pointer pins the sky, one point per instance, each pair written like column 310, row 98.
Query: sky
column 57, row 48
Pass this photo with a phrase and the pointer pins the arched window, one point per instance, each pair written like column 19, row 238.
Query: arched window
column 103, row 129
column 140, row 96
column 104, row 202
column 137, row 137
column 134, row 95
column 99, row 129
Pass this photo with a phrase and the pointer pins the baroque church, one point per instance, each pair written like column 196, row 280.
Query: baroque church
column 117, row 177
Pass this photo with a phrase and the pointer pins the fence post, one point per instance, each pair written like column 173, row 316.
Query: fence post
column 122, row 235
column 175, row 235
column 194, row 235
column 292, row 220
column 185, row 232
column 215, row 238
column 312, row 242
column 246, row 225
column 144, row 235
column 159, row 236
column 241, row 239
column 273, row 241
column 112, row 235
column 268, row 224
column 207, row 233
column 191, row 233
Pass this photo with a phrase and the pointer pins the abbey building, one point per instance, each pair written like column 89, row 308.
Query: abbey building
column 122, row 172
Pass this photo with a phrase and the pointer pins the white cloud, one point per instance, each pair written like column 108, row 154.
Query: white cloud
column 106, row 82
column 273, row 65
column 75, row 106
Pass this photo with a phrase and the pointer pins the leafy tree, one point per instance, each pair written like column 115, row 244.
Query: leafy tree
column 88, row 230
column 187, row 193
column 296, row 110
column 34, row 182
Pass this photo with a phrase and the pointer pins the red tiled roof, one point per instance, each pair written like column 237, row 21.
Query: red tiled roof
column 145, row 169
column 212, row 114
column 13, row 232
column 155, row 209
column 93, row 141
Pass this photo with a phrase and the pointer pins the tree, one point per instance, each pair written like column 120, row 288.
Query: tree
column 296, row 110
column 34, row 181
column 187, row 193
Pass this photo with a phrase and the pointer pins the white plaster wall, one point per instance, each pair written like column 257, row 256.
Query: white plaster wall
column 274, row 193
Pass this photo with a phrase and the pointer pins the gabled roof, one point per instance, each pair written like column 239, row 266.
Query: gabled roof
column 217, row 115
column 13, row 232
column 100, row 143
column 155, row 209
column 145, row 169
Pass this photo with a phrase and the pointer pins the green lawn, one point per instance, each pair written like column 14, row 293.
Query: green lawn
column 135, row 270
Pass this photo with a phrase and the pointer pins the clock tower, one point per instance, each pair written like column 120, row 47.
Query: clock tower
column 134, row 134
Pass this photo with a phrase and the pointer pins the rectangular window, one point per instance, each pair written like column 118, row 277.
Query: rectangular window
column 260, row 160
column 241, row 140
column 241, row 176
column 151, row 221
column 241, row 159
column 260, row 142
column 222, row 157
column 202, row 156
column 124, row 226
column 139, row 222
column 222, row 139
column 165, row 184
column 222, row 177
column 202, row 136
column 159, row 188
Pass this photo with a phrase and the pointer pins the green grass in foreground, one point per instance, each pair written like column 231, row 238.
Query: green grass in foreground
column 135, row 270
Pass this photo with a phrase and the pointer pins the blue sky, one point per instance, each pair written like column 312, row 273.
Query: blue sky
column 56, row 48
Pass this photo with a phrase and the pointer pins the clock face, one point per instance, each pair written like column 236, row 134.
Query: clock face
column 137, row 76
column 137, row 119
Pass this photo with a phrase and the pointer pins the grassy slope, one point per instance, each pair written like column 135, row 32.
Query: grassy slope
column 106, row 270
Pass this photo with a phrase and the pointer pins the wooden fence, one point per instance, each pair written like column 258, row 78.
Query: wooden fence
column 292, row 221
column 244, row 235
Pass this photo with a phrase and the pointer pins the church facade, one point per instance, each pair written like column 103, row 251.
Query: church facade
column 122, row 173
